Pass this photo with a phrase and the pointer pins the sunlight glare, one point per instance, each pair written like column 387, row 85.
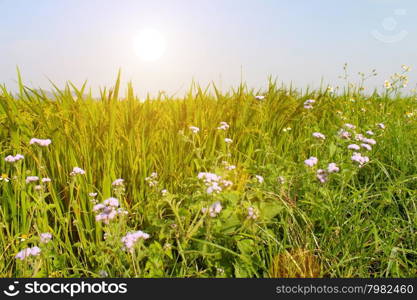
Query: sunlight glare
column 149, row 45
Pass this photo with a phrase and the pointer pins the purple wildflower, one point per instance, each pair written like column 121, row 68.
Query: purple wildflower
column 369, row 141
column 107, row 210
column 366, row 146
column 357, row 157
column 321, row 175
column 350, row 126
column 319, row 135
column 130, row 239
column 354, row 147
column 332, row 168
column 213, row 210
column 251, row 213
column 77, row 171
column 12, row 159
column 23, row 254
column 344, row 134
column 30, row 179
column 311, row 161
column 45, row 237
column 40, row 142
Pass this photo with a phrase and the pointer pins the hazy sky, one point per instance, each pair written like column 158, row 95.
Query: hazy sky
column 211, row 40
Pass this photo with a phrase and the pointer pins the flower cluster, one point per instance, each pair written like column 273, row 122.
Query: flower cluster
column 251, row 213
column 23, row 254
column 228, row 141
column 77, row 171
column 223, row 126
column 259, row 97
column 118, row 182
column 93, row 198
column 332, row 168
column 322, row 175
column 30, row 179
column 151, row 180
column 45, row 237
column 213, row 210
column 194, row 129
column 344, row 134
column 108, row 210
column 308, row 104
column 40, row 142
column 259, row 178
column 228, row 166
column 397, row 81
column 364, row 143
column 130, row 239
column 357, row 157
column 354, row 147
column 330, row 89
column 213, row 182
column 12, row 159
column 366, row 146
column 118, row 187
column 319, row 136
column 350, row 126
column 312, row 161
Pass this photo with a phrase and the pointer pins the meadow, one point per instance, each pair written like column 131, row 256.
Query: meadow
column 278, row 182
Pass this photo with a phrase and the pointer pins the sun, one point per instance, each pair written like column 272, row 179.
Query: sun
column 149, row 44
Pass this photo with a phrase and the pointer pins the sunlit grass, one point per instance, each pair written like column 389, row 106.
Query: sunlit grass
column 275, row 219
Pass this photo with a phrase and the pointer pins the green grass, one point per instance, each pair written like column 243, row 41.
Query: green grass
column 361, row 223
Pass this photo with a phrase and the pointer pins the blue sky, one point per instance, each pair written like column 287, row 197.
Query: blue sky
column 299, row 41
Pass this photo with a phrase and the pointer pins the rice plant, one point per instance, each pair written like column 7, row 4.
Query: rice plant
column 244, row 183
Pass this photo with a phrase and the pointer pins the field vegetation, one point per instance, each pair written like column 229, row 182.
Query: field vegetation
column 278, row 182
